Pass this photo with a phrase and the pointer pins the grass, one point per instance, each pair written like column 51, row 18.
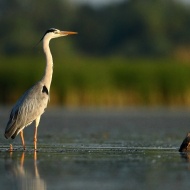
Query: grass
column 84, row 81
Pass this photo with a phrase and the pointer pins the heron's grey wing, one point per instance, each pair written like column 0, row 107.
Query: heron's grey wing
column 31, row 105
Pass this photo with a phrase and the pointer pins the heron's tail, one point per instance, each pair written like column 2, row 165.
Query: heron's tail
column 10, row 131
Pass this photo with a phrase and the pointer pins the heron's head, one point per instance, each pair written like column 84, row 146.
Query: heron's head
column 55, row 33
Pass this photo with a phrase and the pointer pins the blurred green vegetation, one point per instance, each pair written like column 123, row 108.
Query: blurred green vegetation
column 126, row 54
column 83, row 81
column 130, row 28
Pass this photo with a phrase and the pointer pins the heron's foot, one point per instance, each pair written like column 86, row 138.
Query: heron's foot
column 35, row 144
column 11, row 148
column 35, row 148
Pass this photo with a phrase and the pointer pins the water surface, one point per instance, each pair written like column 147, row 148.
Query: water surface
column 105, row 149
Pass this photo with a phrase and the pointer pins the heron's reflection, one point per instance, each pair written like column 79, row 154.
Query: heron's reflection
column 24, row 177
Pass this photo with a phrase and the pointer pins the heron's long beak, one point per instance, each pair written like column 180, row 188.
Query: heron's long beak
column 67, row 33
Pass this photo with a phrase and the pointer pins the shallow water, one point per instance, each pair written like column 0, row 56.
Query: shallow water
column 105, row 149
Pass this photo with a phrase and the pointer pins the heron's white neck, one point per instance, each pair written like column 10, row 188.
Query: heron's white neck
column 47, row 78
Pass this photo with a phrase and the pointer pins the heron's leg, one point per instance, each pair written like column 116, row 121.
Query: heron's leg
column 22, row 139
column 35, row 132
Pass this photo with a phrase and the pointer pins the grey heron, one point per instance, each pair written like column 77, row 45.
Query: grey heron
column 31, row 105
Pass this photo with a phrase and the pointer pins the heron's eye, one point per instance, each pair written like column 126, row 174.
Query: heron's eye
column 55, row 32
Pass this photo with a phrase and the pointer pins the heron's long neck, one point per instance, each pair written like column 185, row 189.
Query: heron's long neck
column 49, row 65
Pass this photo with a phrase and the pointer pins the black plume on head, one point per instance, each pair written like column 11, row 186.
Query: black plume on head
column 49, row 30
